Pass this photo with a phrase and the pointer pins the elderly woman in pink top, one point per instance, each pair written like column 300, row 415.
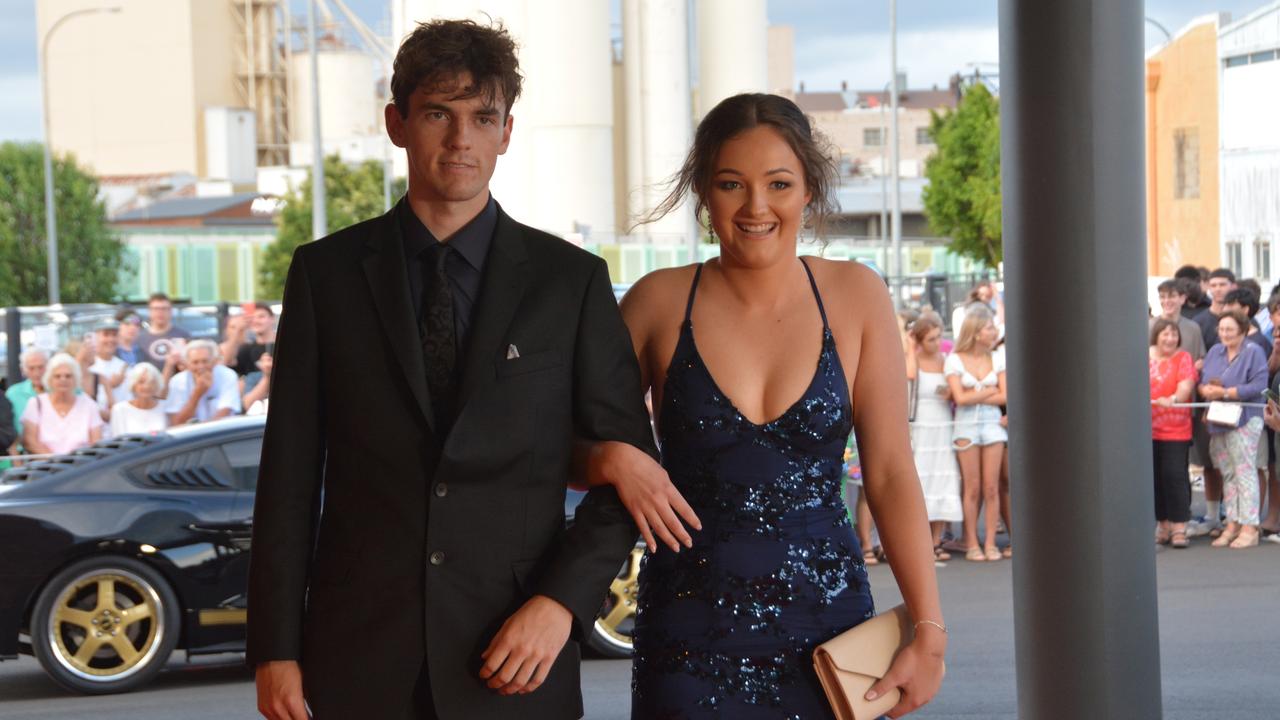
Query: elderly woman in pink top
column 58, row 420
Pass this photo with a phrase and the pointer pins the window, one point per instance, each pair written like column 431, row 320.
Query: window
column 1265, row 56
column 201, row 469
column 1237, row 61
column 1235, row 257
column 243, row 456
column 1186, row 151
column 873, row 137
column 1262, row 257
column 923, row 136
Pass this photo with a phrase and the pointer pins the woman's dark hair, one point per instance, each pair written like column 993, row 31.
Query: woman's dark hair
column 1158, row 327
column 735, row 115
column 1242, row 322
column 436, row 53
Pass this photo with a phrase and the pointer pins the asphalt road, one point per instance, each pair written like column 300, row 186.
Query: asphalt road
column 1219, row 636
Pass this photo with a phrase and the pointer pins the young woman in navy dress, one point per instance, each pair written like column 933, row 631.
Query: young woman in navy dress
column 760, row 364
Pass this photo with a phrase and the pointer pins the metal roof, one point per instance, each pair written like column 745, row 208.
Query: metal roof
column 185, row 207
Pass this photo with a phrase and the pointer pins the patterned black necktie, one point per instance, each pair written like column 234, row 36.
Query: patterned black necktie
column 439, row 338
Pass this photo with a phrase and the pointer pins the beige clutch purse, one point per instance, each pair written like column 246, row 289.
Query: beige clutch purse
column 851, row 662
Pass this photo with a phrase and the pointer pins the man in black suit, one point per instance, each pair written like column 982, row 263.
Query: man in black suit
column 432, row 369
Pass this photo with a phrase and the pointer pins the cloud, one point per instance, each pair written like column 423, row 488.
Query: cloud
column 20, row 112
column 929, row 57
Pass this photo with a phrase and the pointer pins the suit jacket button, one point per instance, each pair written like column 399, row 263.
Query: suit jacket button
column 437, row 558
column 442, row 490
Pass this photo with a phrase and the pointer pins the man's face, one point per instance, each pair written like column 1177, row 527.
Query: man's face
column 198, row 361
column 129, row 331
column 105, row 342
column 33, row 367
column 262, row 322
column 161, row 313
column 1219, row 287
column 453, row 142
column 1171, row 303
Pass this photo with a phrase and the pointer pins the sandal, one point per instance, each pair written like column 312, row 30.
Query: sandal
column 975, row 554
column 939, row 554
column 869, row 558
column 1225, row 539
column 1245, row 540
column 1179, row 540
column 1163, row 536
column 993, row 553
column 1007, row 552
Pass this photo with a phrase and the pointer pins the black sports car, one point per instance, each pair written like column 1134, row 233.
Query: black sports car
column 115, row 555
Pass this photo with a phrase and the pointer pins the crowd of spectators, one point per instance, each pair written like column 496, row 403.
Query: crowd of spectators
column 959, row 427
column 128, row 377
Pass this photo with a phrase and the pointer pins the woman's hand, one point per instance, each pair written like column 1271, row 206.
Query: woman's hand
column 1164, row 402
column 648, row 494
column 1212, row 392
column 917, row 672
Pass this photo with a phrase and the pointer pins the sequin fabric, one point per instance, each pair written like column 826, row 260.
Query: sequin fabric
column 727, row 628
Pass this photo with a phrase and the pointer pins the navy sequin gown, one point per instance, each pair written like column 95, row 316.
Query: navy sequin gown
column 727, row 629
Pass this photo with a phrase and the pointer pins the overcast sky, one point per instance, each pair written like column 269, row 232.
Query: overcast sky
column 836, row 40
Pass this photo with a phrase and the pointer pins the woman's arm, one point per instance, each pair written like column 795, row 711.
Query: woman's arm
column 892, row 485
column 1255, row 381
column 913, row 364
column 962, row 395
column 997, row 398
column 31, row 439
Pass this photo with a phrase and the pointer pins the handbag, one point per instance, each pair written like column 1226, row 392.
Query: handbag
column 851, row 662
column 913, row 399
column 1224, row 413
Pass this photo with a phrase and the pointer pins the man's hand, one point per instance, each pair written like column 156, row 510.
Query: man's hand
column 280, row 691
column 202, row 382
column 522, row 653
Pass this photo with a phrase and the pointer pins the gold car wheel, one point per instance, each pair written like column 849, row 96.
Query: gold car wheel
column 619, row 610
column 106, row 625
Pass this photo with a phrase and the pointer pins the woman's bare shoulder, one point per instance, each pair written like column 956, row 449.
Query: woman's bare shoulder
column 847, row 285
column 659, row 293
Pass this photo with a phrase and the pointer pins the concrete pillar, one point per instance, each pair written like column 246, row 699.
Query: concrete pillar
column 1085, row 615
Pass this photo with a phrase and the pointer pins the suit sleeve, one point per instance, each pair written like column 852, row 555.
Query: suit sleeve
column 8, row 431
column 289, row 480
column 607, row 405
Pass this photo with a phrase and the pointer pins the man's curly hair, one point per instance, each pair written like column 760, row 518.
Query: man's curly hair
column 437, row 52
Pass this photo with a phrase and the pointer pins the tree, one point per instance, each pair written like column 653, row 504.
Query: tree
column 91, row 256
column 353, row 193
column 962, row 199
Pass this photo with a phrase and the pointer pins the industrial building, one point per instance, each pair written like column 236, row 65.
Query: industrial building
column 1249, row 79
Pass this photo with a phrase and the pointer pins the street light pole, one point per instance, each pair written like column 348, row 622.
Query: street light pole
column 1168, row 37
column 896, row 228
column 319, row 217
column 50, row 214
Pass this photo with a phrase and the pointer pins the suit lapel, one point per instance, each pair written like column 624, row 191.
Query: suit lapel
column 500, row 292
column 384, row 267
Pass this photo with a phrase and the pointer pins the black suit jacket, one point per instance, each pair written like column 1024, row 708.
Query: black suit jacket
column 378, row 544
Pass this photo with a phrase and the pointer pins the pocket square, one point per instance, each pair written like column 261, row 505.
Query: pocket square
column 512, row 352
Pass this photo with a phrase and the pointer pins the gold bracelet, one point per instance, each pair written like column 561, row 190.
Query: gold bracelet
column 940, row 626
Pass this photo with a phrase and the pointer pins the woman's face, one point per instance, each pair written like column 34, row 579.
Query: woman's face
column 144, row 389
column 988, row 335
column 1229, row 332
column 62, row 380
column 1168, row 339
column 756, row 197
column 984, row 293
column 929, row 344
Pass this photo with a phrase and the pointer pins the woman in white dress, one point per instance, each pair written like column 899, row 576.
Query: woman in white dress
column 143, row 413
column 931, row 428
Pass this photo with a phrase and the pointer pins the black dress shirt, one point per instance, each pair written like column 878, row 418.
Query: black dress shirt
column 465, row 266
